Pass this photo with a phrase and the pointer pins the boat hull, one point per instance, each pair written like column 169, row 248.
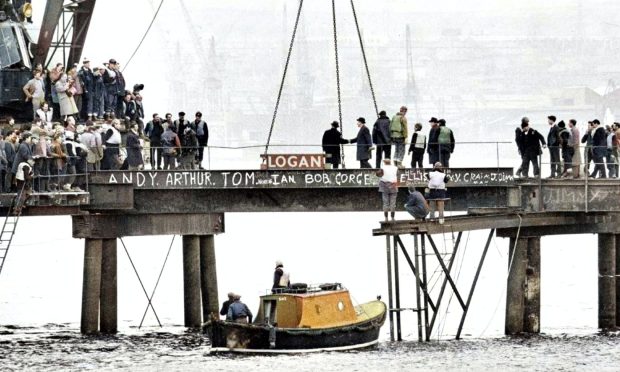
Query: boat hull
column 235, row 336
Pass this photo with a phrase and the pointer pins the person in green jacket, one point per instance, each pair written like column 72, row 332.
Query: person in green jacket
column 399, row 134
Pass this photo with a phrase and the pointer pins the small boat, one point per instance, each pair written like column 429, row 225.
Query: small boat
column 302, row 319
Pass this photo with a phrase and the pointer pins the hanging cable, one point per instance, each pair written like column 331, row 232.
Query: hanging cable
column 288, row 59
column 338, row 77
column 359, row 34
column 144, row 36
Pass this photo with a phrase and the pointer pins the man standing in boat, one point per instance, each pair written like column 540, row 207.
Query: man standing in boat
column 238, row 312
column 226, row 304
column 280, row 278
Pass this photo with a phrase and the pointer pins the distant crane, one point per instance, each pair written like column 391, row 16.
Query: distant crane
column 411, row 88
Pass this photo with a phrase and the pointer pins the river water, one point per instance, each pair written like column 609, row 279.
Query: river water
column 40, row 299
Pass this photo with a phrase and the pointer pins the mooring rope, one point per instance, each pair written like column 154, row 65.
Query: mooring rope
column 157, row 282
column 140, row 280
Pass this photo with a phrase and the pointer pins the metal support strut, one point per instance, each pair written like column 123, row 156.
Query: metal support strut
column 426, row 307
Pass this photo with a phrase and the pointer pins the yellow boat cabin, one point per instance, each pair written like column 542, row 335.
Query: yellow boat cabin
column 322, row 307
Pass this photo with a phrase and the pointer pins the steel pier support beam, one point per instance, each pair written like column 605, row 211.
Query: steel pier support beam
column 515, row 296
column 191, row 281
column 606, row 281
column 531, row 316
column 208, row 277
column 109, row 315
column 388, row 252
column 91, row 286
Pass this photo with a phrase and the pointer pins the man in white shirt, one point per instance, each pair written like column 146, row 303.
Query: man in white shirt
column 388, row 187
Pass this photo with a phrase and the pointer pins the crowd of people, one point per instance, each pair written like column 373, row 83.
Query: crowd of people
column 563, row 142
column 83, row 92
column 84, row 119
column 58, row 155
column 386, row 132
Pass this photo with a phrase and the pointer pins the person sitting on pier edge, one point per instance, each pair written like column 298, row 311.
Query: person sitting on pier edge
column 364, row 144
column 332, row 139
column 531, row 141
column 381, row 137
column 281, row 278
column 238, row 312
column 417, row 147
column 437, row 189
column 226, row 304
column 416, row 205
column 388, row 187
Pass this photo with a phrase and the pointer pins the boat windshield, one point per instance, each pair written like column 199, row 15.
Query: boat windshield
column 9, row 49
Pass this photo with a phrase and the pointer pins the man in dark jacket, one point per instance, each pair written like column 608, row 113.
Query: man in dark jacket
column 445, row 138
column 153, row 130
column 531, row 142
column 202, row 134
column 433, row 141
column 364, row 143
column 599, row 149
column 553, row 141
column 226, row 304
column 565, row 145
column 238, row 312
column 518, row 134
column 332, row 139
column 381, row 137
column 88, row 90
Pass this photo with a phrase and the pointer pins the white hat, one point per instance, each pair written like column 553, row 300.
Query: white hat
column 279, row 263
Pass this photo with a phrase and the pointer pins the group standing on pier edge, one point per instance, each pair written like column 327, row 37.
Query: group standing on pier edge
column 601, row 148
column 387, row 132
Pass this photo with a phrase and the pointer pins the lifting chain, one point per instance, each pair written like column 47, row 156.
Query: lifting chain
column 338, row 78
column 359, row 34
column 288, row 58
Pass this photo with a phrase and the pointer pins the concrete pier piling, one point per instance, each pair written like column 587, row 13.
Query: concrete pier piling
column 515, row 293
column 191, row 281
column 91, row 286
column 607, row 281
column 208, row 277
column 108, row 308
column 617, row 279
column 531, row 316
